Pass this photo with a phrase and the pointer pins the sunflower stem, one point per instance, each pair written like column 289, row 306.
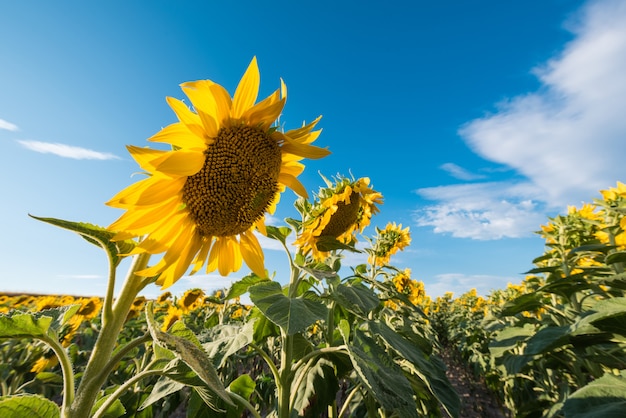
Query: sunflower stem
column 93, row 379
column 66, row 370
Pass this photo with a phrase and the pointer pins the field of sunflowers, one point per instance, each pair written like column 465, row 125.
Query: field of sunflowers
column 331, row 340
column 553, row 345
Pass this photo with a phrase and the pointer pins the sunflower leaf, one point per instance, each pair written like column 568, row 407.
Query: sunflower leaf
column 48, row 322
column 278, row 233
column 96, row 235
column 188, row 351
column 291, row 314
column 33, row 406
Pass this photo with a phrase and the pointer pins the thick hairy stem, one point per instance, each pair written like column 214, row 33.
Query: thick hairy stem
column 93, row 379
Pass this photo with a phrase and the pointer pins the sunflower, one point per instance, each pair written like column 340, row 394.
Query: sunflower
column 388, row 242
column 203, row 199
column 341, row 209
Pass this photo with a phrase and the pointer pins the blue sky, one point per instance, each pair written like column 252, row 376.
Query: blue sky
column 475, row 120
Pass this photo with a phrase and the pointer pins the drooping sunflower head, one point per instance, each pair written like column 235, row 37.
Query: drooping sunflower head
column 388, row 242
column 339, row 211
column 204, row 198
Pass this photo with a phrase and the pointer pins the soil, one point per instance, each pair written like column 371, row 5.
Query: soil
column 477, row 401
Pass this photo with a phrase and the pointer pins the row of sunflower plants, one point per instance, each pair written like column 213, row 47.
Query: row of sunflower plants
column 556, row 343
column 312, row 344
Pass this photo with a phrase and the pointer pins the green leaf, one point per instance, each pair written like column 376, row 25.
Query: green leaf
column 162, row 388
column 433, row 375
column 240, row 287
column 509, row 338
column 189, row 352
column 278, row 233
column 547, row 339
column 356, row 298
column 263, row 327
column 96, row 235
column 378, row 372
column 604, row 397
column 330, row 244
column 18, row 324
column 317, row 390
column 290, row 314
column 527, row 302
column 32, row 406
column 609, row 316
column 228, row 340
column 114, row 411
column 616, row 257
column 243, row 386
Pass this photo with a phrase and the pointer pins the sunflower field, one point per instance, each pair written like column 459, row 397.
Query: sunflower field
column 330, row 339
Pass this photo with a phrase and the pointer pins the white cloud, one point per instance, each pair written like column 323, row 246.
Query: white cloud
column 8, row 126
column 569, row 137
column 481, row 211
column 82, row 276
column 460, row 283
column 66, row 151
column 460, row 173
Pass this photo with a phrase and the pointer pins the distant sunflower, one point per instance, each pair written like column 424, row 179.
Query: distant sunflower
column 203, row 200
column 341, row 209
column 388, row 242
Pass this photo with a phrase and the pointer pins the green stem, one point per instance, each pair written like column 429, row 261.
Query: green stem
column 268, row 361
column 66, row 370
column 286, row 376
column 92, row 379
column 244, row 403
column 346, row 405
column 119, row 355
column 107, row 305
column 123, row 388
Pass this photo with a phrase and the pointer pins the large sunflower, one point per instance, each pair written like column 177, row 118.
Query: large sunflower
column 202, row 200
column 341, row 209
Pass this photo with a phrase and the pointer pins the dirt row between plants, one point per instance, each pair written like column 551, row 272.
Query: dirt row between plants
column 476, row 400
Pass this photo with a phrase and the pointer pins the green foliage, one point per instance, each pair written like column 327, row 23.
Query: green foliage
column 20, row 406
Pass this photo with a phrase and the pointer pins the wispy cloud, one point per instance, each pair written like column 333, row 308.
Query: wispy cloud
column 481, row 211
column 82, row 276
column 567, row 139
column 8, row 126
column 460, row 173
column 66, row 151
column 460, row 283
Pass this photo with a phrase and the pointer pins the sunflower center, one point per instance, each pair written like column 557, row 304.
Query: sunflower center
column 345, row 216
column 237, row 183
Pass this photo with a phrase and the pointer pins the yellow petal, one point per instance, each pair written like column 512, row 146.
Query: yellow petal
column 202, row 255
column 293, row 183
column 180, row 163
column 304, row 150
column 247, row 90
column 252, row 253
column 145, row 156
column 186, row 116
column 136, row 221
column 179, row 136
column 151, row 191
column 298, row 134
column 223, row 102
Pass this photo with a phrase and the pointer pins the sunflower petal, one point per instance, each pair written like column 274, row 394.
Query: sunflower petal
column 293, row 183
column 252, row 253
column 304, row 150
column 247, row 90
column 180, row 163
column 179, row 136
column 144, row 156
column 185, row 115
